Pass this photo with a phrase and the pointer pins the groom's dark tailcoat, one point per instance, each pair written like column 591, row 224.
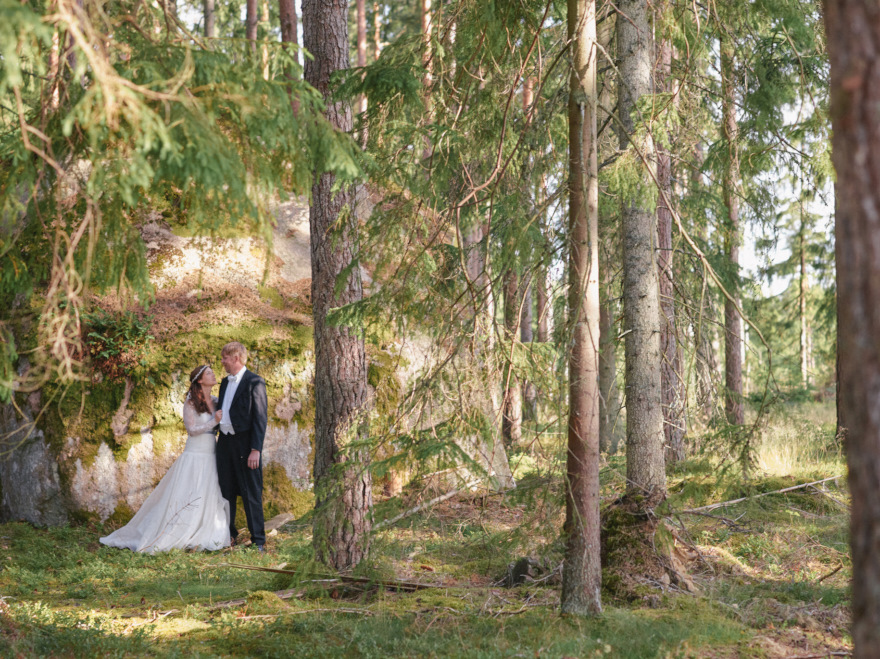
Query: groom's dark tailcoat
column 248, row 414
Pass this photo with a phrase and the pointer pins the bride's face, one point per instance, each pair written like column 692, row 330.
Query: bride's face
column 208, row 378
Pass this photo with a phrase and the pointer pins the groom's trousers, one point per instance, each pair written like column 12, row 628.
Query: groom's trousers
column 237, row 479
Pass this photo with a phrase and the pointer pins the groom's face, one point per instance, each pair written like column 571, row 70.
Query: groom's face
column 231, row 363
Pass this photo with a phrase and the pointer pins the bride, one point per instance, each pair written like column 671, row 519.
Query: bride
column 186, row 510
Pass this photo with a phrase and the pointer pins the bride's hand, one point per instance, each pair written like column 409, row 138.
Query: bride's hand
column 218, row 416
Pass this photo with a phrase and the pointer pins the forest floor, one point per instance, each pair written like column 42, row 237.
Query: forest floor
column 771, row 572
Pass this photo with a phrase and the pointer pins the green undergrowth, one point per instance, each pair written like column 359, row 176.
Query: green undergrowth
column 763, row 568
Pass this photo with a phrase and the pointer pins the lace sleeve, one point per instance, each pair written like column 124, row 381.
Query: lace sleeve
column 195, row 423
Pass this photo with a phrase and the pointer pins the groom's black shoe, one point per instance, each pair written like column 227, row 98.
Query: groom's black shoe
column 261, row 548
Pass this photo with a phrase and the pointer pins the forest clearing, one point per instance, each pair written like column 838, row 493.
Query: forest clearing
column 771, row 576
column 440, row 328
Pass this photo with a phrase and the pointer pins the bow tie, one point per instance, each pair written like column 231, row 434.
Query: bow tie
column 231, row 379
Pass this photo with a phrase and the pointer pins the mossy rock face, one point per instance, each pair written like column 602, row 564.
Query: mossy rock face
column 96, row 465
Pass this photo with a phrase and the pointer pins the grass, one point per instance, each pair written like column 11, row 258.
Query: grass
column 765, row 569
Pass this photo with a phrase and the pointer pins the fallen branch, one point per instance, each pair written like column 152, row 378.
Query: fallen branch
column 713, row 506
column 391, row 584
column 364, row 612
column 830, row 574
column 282, row 594
column 423, row 506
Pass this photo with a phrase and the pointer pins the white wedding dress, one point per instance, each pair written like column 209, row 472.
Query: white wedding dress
column 186, row 510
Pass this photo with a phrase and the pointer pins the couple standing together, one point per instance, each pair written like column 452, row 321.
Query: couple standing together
column 193, row 506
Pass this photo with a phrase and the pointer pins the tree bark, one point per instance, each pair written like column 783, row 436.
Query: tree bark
column 362, row 52
column 343, row 496
column 511, row 405
column 609, row 398
column 645, row 467
column 250, row 24
column 526, row 335
column 802, row 302
column 543, row 303
column 733, row 401
column 287, row 18
column 377, row 32
column 853, row 33
column 210, row 18
column 672, row 382
column 581, row 571
column 264, row 19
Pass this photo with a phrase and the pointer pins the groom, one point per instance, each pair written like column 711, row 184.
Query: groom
column 242, row 415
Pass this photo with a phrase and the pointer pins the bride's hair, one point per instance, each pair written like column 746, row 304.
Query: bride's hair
column 195, row 394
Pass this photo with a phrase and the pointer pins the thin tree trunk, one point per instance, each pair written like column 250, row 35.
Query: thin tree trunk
column 250, row 24
column 802, row 303
column 526, row 335
column 343, row 495
column 210, row 18
column 853, row 34
column 427, row 59
column 264, row 19
column 702, row 320
column 377, row 31
column 511, row 405
column 362, row 46
column 529, row 391
column 672, row 383
column 581, row 570
column 287, row 18
column 543, row 310
column 733, row 402
column 609, row 398
column 645, row 467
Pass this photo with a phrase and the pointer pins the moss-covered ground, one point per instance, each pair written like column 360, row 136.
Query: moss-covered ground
column 772, row 575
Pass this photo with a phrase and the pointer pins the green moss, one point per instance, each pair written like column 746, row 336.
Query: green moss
column 272, row 296
column 121, row 515
column 280, row 496
column 263, row 602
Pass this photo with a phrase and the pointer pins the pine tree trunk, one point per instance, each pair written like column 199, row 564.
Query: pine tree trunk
column 543, row 310
column 343, row 496
column 250, row 24
column 264, row 19
column 362, row 52
column 733, row 402
column 526, row 335
column 802, row 305
column 609, row 398
column 581, row 571
column 287, row 18
column 511, row 405
column 672, row 382
column 377, row 31
column 853, row 33
column 210, row 18
column 645, row 466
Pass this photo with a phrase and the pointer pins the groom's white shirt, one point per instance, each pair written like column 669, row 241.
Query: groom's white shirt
column 231, row 385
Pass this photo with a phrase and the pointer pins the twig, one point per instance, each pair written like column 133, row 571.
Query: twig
column 422, row 506
column 832, row 573
column 713, row 506
column 364, row 612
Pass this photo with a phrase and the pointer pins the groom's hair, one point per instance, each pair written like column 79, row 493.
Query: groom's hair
column 235, row 348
